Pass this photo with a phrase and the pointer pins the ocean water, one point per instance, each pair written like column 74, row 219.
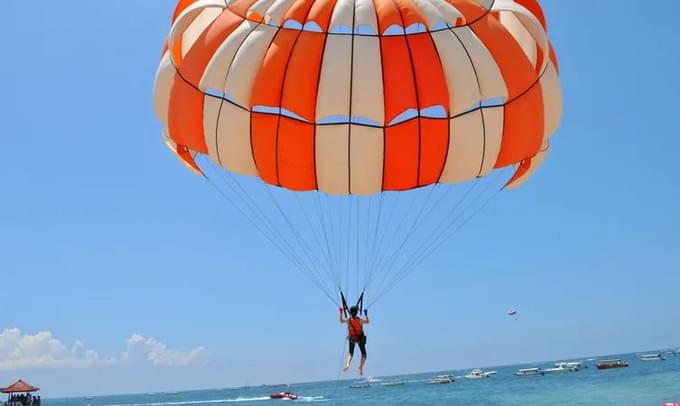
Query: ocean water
column 643, row 384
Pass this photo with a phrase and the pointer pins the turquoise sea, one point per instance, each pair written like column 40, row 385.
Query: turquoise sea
column 643, row 383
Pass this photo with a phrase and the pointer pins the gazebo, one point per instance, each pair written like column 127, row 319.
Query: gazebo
column 20, row 394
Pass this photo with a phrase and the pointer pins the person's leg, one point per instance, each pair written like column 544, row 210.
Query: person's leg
column 362, row 348
column 349, row 356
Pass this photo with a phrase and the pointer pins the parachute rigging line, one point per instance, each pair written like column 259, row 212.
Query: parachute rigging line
column 409, row 233
column 322, row 221
column 308, row 270
column 386, row 251
column 427, row 249
column 431, row 245
column 375, row 235
column 316, row 237
column 253, row 204
column 397, row 253
column 286, row 251
column 291, row 226
column 250, row 213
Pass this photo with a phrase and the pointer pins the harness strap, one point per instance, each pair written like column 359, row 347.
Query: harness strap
column 345, row 310
column 360, row 303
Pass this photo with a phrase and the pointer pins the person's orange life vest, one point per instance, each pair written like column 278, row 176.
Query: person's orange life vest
column 355, row 327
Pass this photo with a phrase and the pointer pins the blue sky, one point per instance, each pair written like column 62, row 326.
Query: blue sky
column 106, row 240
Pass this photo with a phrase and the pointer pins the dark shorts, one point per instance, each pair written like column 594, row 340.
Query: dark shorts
column 362, row 345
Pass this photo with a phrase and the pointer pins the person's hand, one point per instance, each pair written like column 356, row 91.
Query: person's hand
column 340, row 308
column 365, row 312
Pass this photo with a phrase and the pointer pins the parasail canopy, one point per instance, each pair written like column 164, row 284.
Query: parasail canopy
column 357, row 98
column 360, row 96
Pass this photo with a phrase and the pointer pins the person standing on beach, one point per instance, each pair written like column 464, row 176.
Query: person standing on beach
column 355, row 328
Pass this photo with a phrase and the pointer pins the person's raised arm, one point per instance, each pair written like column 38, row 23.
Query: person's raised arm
column 366, row 320
column 343, row 320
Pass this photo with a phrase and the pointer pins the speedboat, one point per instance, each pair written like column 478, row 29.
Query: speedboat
column 527, row 372
column 441, row 379
column 284, row 395
column 360, row 385
column 575, row 364
column 559, row 368
column 652, row 357
column 479, row 374
column 611, row 364
column 392, row 383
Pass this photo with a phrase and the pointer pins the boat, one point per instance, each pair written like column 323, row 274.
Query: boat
column 284, row 395
column 442, row 379
column 611, row 364
column 479, row 374
column 360, row 385
column 575, row 364
column 527, row 372
column 560, row 367
column 652, row 357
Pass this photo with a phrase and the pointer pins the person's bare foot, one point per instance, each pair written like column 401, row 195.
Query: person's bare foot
column 361, row 371
column 345, row 368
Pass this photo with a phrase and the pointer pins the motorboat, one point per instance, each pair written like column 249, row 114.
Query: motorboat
column 442, row 379
column 560, row 367
column 611, row 364
column 479, row 374
column 575, row 364
column 360, row 385
column 284, row 395
column 652, row 357
column 528, row 372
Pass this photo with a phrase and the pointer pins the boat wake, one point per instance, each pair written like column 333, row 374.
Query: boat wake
column 218, row 401
column 311, row 399
column 195, row 402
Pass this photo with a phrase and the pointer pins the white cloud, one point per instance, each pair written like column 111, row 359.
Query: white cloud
column 42, row 350
column 156, row 353
column 18, row 351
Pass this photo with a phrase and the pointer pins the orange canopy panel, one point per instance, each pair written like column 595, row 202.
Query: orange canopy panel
column 19, row 387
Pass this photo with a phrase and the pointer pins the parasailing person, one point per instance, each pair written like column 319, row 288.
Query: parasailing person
column 355, row 335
